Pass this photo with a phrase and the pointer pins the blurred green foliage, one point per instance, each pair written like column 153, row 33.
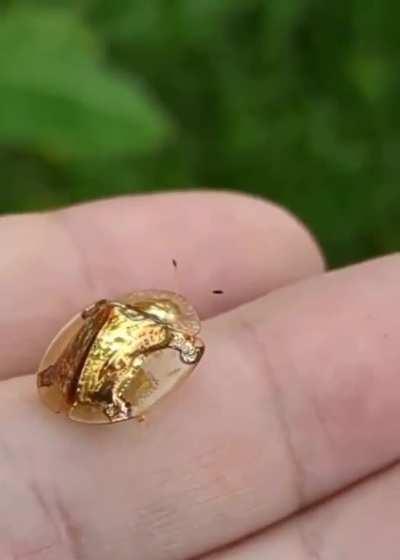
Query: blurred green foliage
column 292, row 100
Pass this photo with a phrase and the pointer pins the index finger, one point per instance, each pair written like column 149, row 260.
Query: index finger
column 55, row 264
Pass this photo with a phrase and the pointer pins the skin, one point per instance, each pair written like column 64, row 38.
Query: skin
column 283, row 444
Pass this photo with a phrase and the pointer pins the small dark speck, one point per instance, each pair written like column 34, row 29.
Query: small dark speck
column 174, row 263
column 218, row 292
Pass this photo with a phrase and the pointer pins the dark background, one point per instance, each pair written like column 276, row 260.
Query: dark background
column 295, row 100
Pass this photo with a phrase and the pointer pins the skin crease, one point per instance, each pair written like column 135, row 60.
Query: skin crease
column 292, row 404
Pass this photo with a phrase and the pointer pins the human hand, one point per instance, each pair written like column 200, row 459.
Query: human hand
column 294, row 405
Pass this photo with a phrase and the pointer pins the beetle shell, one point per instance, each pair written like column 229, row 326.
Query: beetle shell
column 117, row 359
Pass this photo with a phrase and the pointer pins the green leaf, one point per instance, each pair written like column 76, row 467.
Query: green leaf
column 56, row 98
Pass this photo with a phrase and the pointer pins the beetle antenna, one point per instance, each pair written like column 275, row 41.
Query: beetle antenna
column 176, row 279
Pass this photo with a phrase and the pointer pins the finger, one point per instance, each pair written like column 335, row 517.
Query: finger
column 54, row 264
column 292, row 401
column 360, row 523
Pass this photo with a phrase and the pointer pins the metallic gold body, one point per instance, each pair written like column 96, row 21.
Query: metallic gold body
column 118, row 359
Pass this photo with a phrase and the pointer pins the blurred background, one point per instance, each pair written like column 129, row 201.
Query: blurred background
column 294, row 100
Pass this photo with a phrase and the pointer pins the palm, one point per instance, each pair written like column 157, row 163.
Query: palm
column 295, row 404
